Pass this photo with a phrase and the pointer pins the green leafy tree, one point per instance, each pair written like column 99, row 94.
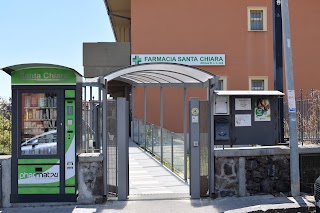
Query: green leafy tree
column 5, row 126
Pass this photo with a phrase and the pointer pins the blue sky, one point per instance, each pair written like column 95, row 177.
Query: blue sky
column 46, row 31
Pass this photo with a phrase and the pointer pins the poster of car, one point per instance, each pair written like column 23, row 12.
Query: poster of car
column 262, row 111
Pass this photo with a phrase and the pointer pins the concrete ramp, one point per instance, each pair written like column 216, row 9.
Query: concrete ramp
column 148, row 177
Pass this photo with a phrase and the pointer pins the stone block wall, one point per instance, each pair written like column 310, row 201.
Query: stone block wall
column 90, row 178
column 5, row 161
column 268, row 174
column 226, row 176
column 256, row 170
column 256, row 175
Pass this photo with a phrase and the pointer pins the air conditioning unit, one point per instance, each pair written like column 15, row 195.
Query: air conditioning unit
column 317, row 194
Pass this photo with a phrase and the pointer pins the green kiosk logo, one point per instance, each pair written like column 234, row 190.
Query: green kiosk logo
column 136, row 59
column 41, row 75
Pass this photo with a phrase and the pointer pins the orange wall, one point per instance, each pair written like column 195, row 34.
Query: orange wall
column 204, row 27
column 172, row 105
column 305, row 17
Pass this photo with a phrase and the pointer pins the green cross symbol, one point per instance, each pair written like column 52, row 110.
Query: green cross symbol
column 136, row 59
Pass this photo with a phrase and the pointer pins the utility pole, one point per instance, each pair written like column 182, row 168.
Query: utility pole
column 294, row 150
column 278, row 63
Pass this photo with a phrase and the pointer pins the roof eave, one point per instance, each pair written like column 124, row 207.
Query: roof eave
column 117, row 12
column 106, row 3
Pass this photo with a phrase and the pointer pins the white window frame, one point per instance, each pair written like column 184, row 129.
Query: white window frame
column 263, row 78
column 224, row 82
column 264, row 19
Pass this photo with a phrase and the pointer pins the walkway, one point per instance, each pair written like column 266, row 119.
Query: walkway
column 148, row 177
column 262, row 203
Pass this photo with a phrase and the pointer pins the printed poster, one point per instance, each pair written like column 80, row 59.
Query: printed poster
column 243, row 104
column 262, row 110
column 291, row 101
column 242, row 119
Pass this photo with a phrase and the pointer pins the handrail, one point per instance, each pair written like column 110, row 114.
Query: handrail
column 170, row 153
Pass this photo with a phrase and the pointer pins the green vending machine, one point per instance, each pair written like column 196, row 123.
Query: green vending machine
column 46, row 131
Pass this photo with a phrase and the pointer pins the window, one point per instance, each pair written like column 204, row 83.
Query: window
column 258, row 83
column 39, row 123
column 222, row 83
column 257, row 19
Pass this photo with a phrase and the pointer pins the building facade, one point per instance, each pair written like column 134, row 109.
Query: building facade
column 242, row 31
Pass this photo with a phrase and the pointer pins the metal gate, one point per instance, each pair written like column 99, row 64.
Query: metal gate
column 106, row 130
column 118, row 149
column 112, row 149
column 309, row 171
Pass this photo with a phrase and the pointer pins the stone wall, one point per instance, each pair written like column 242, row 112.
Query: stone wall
column 90, row 178
column 255, row 170
column 5, row 161
column 268, row 174
column 226, row 176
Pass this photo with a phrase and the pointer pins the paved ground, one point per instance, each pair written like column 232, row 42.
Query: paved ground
column 148, row 177
column 264, row 203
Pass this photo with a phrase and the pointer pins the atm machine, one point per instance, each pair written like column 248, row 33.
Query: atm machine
column 46, row 131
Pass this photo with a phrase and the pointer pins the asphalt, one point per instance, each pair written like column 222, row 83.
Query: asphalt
column 154, row 189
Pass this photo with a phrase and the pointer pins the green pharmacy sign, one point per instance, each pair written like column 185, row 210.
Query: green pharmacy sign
column 187, row 59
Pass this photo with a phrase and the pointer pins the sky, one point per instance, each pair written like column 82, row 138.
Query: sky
column 49, row 31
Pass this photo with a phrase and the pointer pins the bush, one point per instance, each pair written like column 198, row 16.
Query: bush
column 5, row 126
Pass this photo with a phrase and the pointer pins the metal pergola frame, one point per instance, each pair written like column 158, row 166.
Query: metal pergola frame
column 159, row 75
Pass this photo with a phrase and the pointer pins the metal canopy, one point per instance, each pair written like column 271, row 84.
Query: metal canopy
column 162, row 74
column 154, row 74
column 249, row 92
